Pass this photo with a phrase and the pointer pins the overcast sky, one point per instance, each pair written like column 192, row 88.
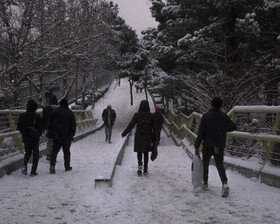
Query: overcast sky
column 136, row 14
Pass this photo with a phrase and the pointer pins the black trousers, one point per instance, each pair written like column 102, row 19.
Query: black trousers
column 146, row 159
column 31, row 148
column 207, row 153
column 66, row 152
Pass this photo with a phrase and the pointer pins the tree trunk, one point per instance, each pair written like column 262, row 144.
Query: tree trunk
column 146, row 94
column 76, row 86
column 131, row 95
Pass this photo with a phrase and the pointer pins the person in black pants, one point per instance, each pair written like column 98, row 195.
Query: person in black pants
column 62, row 130
column 144, row 135
column 30, row 126
column 212, row 132
column 109, row 118
column 46, row 116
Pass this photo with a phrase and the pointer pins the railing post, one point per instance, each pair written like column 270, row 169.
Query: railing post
column 228, row 138
column 190, row 122
column 268, row 151
column 274, row 132
column 17, row 138
column 197, row 124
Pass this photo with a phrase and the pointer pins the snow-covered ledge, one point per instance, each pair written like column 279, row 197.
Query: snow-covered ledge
column 107, row 171
column 15, row 161
column 267, row 173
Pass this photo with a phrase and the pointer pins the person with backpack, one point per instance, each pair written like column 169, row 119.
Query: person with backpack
column 109, row 117
column 144, row 135
column 62, row 130
column 30, row 125
column 212, row 132
column 47, row 112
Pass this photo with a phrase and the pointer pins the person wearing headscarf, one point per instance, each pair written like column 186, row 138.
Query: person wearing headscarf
column 144, row 135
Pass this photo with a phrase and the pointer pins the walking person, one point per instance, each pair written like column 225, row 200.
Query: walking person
column 158, row 121
column 47, row 112
column 212, row 132
column 144, row 135
column 62, row 130
column 109, row 117
column 30, row 125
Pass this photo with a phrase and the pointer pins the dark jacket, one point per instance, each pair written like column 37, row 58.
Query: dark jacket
column 142, row 143
column 105, row 115
column 213, row 129
column 63, row 124
column 47, row 112
column 46, row 116
column 158, row 122
column 30, row 123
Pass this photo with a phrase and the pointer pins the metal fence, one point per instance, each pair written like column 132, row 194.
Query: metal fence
column 257, row 136
column 10, row 138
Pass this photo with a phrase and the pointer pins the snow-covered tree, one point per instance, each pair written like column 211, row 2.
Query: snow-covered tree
column 209, row 48
column 44, row 44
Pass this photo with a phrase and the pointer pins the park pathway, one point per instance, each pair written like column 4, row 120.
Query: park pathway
column 165, row 196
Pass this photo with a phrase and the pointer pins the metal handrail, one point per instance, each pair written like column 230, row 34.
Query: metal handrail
column 84, row 120
column 187, row 127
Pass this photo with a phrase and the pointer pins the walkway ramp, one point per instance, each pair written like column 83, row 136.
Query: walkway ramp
column 165, row 196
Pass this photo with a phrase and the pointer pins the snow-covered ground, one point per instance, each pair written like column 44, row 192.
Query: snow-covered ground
column 165, row 196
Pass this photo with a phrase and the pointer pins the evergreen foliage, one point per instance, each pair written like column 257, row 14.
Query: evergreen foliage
column 216, row 48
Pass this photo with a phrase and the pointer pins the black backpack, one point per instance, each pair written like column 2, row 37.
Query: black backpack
column 144, row 127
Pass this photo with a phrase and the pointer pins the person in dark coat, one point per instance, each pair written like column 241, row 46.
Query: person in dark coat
column 212, row 132
column 158, row 121
column 144, row 135
column 30, row 125
column 109, row 118
column 47, row 112
column 62, row 131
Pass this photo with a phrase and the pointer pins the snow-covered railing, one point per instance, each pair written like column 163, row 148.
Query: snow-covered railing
column 258, row 133
column 10, row 138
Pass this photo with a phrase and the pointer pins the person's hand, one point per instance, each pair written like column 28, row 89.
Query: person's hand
column 197, row 152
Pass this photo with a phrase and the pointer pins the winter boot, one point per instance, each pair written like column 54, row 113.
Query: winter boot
column 139, row 172
column 52, row 170
column 205, row 186
column 225, row 190
column 24, row 170
column 146, row 170
column 68, row 168
column 33, row 174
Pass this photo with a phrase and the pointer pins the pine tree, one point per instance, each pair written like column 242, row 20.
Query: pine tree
column 216, row 48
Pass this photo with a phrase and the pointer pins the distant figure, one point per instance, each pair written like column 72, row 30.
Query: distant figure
column 144, row 135
column 253, row 126
column 212, row 132
column 30, row 125
column 62, row 130
column 109, row 117
column 158, row 121
column 47, row 112
column 48, row 95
